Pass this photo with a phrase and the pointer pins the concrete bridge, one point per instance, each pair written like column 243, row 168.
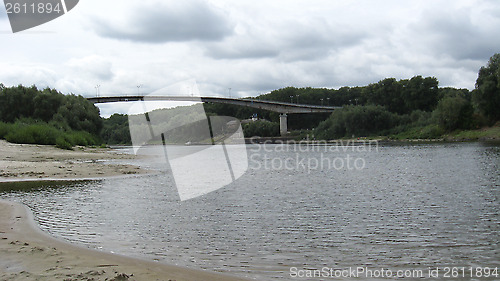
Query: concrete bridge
column 283, row 108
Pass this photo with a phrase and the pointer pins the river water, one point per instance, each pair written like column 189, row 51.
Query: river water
column 399, row 207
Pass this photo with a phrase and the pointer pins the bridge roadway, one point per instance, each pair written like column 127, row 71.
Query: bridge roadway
column 283, row 108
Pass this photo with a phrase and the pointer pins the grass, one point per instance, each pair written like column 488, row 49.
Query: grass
column 483, row 133
column 426, row 132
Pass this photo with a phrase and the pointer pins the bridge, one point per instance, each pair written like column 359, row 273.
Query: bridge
column 283, row 108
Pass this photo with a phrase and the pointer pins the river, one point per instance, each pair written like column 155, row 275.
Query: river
column 295, row 209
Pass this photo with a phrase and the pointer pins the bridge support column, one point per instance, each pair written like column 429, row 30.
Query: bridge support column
column 283, row 124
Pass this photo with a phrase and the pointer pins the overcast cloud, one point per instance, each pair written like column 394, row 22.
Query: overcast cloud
column 160, row 22
column 251, row 47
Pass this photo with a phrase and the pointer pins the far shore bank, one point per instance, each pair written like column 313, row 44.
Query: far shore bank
column 486, row 134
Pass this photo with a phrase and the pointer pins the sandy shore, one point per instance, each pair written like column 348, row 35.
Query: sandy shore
column 28, row 253
column 26, row 161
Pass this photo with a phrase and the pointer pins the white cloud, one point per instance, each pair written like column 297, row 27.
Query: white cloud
column 27, row 74
column 92, row 67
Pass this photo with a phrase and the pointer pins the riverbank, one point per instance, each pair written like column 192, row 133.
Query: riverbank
column 27, row 253
column 35, row 162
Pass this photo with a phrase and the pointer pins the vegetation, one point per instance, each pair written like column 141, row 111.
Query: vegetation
column 404, row 109
column 30, row 115
column 486, row 96
column 116, row 130
column 417, row 108
column 261, row 128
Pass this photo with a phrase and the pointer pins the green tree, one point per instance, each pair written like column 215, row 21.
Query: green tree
column 358, row 121
column 454, row 113
column 420, row 93
column 388, row 93
column 17, row 102
column 46, row 104
column 79, row 114
column 261, row 128
column 116, row 130
column 486, row 96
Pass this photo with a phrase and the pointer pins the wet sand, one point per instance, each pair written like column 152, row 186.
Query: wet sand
column 28, row 253
column 30, row 162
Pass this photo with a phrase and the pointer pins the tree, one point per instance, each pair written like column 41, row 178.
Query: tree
column 420, row 93
column 79, row 114
column 388, row 93
column 486, row 96
column 454, row 113
column 116, row 130
column 46, row 104
column 358, row 121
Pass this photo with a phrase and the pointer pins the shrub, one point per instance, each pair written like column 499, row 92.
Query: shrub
column 32, row 134
column 82, row 138
column 454, row 113
column 63, row 143
column 261, row 128
column 358, row 121
column 5, row 128
column 20, row 136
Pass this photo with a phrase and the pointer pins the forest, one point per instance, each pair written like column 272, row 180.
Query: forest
column 415, row 108
column 402, row 109
column 33, row 116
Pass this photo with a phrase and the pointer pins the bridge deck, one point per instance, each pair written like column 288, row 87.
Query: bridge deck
column 281, row 107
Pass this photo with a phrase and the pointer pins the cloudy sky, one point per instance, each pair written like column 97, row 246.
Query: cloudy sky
column 251, row 46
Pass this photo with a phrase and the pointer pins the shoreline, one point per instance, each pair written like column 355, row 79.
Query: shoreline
column 46, row 162
column 29, row 253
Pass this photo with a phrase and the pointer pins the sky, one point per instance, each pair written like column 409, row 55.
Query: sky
column 249, row 47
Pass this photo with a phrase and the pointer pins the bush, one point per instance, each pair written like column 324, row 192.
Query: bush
column 5, row 128
column 32, row 134
column 63, row 143
column 20, row 136
column 82, row 138
column 261, row 128
column 357, row 121
column 454, row 113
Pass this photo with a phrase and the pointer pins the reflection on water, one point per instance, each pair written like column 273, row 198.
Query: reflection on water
column 411, row 207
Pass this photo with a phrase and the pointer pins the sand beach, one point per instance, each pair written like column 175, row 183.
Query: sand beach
column 28, row 253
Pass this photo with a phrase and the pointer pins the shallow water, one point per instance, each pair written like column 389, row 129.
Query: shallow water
column 409, row 207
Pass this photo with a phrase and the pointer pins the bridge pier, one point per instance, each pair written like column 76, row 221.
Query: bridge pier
column 283, row 124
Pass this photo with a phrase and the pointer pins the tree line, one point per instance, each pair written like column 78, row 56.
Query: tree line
column 418, row 108
column 31, row 115
column 406, row 108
